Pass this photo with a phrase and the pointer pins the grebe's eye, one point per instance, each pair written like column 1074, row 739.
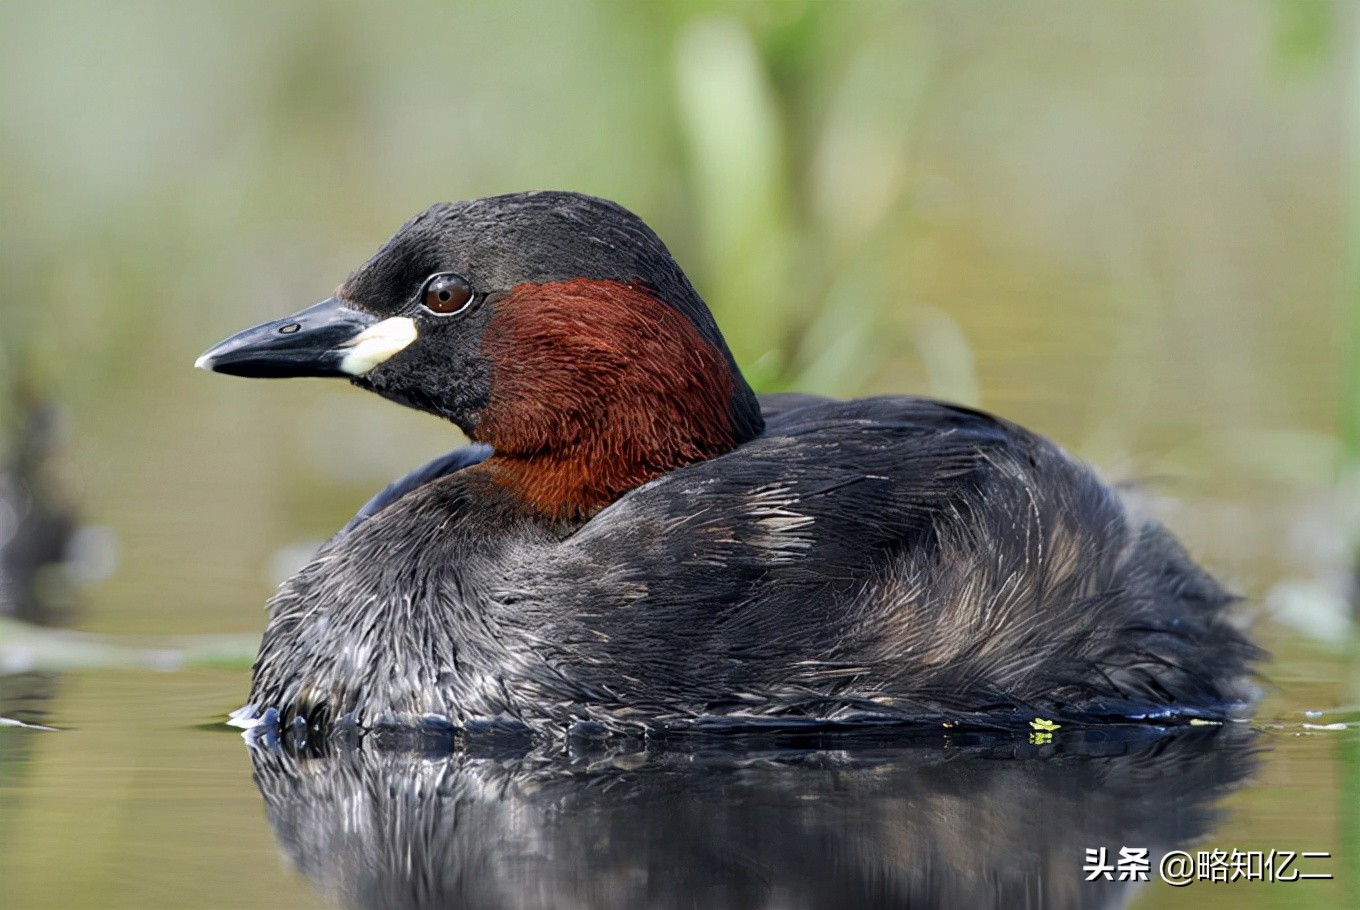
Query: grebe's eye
column 446, row 293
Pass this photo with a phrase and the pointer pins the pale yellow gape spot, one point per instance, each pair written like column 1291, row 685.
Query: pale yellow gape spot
column 376, row 344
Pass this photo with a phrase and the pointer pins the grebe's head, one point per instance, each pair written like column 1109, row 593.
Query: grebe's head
column 553, row 326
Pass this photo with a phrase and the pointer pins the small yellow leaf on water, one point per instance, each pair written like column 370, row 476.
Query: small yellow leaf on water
column 1201, row 722
column 1040, row 724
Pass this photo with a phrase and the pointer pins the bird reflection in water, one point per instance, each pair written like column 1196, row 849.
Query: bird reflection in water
column 400, row 820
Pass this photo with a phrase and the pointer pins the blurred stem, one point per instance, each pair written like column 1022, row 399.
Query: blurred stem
column 731, row 123
column 1350, row 289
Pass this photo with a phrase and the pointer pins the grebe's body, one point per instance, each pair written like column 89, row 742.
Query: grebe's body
column 639, row 543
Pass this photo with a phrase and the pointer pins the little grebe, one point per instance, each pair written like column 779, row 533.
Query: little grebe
column 637, row 542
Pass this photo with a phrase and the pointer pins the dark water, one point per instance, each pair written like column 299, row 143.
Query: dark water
column 142, row 800
column 972, row 825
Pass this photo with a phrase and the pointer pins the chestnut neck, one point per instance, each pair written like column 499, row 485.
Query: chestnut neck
column 599, row 387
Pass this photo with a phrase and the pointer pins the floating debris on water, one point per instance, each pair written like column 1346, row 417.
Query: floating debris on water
column 11, row 722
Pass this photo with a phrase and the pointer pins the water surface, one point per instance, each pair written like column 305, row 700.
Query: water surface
column 142, row 800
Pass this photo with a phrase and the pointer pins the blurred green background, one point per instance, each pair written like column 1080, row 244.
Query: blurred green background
column 1131, row 227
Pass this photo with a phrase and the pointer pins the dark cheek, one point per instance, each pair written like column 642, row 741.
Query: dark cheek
column 471, row 390
column 445, row 379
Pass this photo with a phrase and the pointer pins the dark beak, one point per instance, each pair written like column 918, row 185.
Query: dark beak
column 328, row 339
